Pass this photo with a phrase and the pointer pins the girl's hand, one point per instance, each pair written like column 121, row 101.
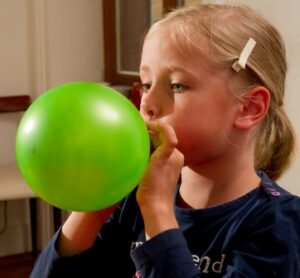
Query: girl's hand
column 156, row 190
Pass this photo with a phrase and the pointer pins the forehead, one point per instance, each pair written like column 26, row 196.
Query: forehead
column 164, row 46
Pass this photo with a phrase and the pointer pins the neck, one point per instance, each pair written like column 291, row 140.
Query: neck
column 210, row 187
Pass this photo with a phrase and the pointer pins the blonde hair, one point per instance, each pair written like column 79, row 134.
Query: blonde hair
column 226, row 29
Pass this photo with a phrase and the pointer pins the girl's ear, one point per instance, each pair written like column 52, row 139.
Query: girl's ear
column 253, row 108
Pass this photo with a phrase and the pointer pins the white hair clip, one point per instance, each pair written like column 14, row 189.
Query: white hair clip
column 246, row 52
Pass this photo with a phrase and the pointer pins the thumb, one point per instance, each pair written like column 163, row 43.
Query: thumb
column 163, row 137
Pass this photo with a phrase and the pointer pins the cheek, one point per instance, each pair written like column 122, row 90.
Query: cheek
column 200, row 137
column 188, row 134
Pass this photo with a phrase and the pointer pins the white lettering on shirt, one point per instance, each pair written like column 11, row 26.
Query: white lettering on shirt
column 204, row 264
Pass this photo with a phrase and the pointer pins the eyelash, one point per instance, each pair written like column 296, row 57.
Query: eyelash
column 178, row 88
column 174, row 87
column 144, row 88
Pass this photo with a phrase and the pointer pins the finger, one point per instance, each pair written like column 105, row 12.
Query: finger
column 163, row 136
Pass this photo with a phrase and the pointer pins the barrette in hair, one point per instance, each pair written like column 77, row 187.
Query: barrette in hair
column 246, row 52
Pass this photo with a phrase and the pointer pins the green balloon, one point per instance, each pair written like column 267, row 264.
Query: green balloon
column 82, row 146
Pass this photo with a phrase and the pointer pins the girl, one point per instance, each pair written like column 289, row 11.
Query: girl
column 213, row 79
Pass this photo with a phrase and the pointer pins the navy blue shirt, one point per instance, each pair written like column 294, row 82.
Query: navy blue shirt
column 256, row 235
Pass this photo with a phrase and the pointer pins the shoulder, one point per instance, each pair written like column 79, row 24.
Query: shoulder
column 279, row 200
column 282, row 210
column 279, row 213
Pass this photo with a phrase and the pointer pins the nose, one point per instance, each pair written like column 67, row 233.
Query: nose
column 150, row 106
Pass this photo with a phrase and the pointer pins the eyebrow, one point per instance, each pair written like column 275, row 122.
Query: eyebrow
column 179, row 69
column 145, row 68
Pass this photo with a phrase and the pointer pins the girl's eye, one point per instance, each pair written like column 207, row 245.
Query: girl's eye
column 144, row 88
column 178, row 88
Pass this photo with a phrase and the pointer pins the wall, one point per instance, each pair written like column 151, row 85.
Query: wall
column 43, row 43
column 285, row 15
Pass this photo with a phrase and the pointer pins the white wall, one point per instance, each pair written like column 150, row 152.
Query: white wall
column 285, row 15
column 43, row 43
